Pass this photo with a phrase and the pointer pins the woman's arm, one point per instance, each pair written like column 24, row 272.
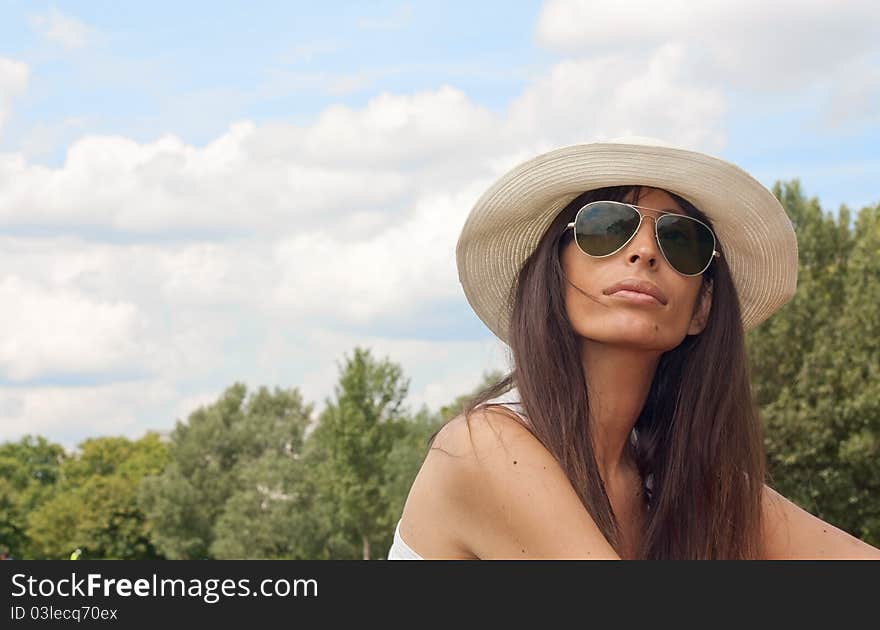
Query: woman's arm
column 792, row 533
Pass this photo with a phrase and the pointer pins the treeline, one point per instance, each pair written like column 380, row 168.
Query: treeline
column 249, row 477
column 244, row 477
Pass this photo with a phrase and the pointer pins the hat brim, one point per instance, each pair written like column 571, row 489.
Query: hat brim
column 756, row 236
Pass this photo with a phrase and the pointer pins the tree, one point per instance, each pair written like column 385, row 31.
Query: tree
column 816, row 366
column 94, row 502
column 348, row 452
column 778, row 345
column 269, row 517
column 210, row 455
column 29, row 469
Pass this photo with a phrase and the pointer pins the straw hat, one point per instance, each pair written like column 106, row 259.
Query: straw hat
column 755, row 235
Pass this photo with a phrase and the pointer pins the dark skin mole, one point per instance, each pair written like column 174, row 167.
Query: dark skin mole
column 514, row 461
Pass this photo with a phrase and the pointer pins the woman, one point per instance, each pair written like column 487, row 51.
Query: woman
column 623, row 276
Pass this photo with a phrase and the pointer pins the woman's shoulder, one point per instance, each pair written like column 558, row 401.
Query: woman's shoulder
column 478, row 435
column 500, row 484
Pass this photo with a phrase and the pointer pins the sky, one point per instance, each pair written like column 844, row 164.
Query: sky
column 194, row 194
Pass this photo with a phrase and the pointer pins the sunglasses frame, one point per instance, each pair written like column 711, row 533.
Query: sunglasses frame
column 638, row 209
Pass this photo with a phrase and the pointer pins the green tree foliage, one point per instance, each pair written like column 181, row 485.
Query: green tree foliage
column 210, row 456
column 29, row 469
column 816, row 369
column 269, row 516
column 779, row 344
column 349, row 452
column 93, row 505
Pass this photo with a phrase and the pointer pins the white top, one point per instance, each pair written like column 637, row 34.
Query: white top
column 401, row 551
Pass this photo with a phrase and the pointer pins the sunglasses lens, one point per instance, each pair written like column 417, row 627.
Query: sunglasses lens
column 602, row 227
column 688, row 244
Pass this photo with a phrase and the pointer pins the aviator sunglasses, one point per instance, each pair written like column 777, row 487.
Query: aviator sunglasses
column 602, row 228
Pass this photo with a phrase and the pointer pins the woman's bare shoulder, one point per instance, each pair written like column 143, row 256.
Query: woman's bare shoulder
column 506, row 493
column 792, row 533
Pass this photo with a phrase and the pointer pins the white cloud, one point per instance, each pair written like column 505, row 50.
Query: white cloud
column 62, row 29
column 112, row 311
column 854, row 96
column 587, row 99
column 779, row 46
column 198, row 299
column 363, row 169
column 118, row 184
column 13, row 81
column 405, row 267
column 70, row 414
column 401, row 131
column 359, row 164
column 45, row 332
column 200, row 274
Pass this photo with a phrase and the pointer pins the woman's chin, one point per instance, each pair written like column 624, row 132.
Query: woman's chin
column 635, row 333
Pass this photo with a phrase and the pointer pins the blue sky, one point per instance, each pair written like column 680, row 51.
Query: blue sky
column 173, row 175
column 194, row 67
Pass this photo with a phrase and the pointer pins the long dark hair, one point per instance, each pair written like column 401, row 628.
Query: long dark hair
column 699, row 432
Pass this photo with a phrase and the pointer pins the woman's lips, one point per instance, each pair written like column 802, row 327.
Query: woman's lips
column 635, row 296
column 637, row 285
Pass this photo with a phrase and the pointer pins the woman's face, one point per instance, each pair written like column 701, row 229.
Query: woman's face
column 619, row 319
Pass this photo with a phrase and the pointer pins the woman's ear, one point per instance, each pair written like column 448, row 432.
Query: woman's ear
column 701, row 312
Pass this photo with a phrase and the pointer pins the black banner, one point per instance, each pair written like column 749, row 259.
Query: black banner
column 269, row 594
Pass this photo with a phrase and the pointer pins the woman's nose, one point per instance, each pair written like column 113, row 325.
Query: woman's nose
column 643, row 246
